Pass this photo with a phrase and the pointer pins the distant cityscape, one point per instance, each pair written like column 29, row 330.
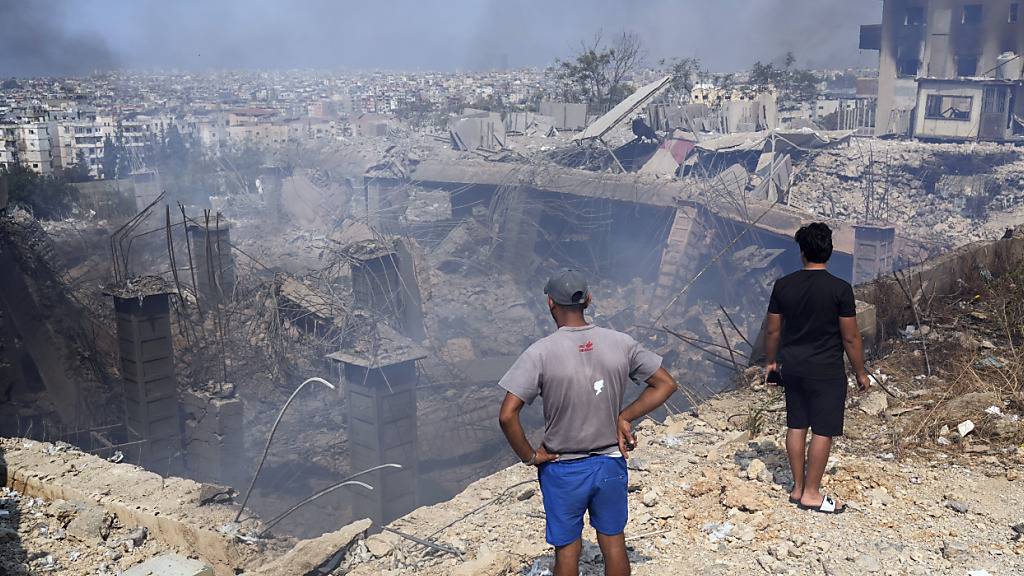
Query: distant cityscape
column 52, row 124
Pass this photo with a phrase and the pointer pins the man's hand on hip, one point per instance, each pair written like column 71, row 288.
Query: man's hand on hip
column 542, row 456
column 626, row 439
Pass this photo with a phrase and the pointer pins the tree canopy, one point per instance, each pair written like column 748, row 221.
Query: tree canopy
column 598, row 73
column 48, row 197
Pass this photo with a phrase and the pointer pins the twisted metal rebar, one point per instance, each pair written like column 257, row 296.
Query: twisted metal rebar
column 271, row 437
column 345, row 482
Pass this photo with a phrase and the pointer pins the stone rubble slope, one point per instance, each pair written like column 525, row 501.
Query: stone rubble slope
column 707, row 498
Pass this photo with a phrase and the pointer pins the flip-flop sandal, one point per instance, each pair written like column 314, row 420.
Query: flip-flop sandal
column 794, row 500
column 828, row 506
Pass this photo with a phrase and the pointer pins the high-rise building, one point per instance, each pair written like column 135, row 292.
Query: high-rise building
column 948, row 69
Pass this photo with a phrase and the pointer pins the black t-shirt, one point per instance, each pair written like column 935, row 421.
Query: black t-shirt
column 811, row 303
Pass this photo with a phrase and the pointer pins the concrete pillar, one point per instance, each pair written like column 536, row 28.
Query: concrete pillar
column 873, row 249
column 384, row 282
column 382, row 430
column 214, row 436
column 213, row 262
column 152, row 410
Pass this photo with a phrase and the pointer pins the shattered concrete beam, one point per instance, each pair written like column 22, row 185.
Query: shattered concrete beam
column 782, row 220
column 167, row 507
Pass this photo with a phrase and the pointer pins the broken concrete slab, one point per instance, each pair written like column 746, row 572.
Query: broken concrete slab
column 624, row 109
column 476, row 132
column 309, row 555
column 487, row 563
column 170, row 565
column 166, row 507
column 91, row 524
column 565, row 115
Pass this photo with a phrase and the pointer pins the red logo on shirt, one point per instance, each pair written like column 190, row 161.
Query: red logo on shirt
column 588, row 347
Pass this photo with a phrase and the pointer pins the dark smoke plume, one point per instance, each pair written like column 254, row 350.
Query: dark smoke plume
column 35, row 42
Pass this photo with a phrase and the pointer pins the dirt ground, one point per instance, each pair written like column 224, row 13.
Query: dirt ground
column 708, row 498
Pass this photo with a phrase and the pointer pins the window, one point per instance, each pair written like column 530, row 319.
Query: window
column 908, row 67
column 967, row 65
column 914, row 16
column 1014, row 12
column 972, row 14
column 939, row 107
column 994, row 100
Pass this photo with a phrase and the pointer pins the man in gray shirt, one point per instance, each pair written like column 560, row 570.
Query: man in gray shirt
column 582, row 371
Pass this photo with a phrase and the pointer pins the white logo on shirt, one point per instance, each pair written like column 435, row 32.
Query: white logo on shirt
column 598, row 386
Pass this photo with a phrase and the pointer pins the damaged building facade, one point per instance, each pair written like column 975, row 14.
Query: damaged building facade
column 949, row 69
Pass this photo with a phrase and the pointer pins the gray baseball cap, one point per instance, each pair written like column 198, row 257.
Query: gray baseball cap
column 567, row 287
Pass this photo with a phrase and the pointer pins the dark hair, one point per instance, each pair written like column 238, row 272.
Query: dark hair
column 815, row 242
column 578, row 308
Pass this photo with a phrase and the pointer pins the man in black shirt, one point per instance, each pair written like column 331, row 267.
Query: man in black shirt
column 814, row 315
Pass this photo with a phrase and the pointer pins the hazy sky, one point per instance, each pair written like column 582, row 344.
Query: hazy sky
column 39, row 37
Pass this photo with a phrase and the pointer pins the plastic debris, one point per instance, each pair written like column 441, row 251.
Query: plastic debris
column 717, row 532
column 539, row 569
column 965, row 428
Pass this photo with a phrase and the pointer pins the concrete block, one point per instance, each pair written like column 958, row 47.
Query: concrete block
column 170, row 564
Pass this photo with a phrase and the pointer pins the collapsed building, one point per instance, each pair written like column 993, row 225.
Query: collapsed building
column 406, row 274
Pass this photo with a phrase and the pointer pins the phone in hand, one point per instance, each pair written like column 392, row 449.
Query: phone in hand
column 774, row 376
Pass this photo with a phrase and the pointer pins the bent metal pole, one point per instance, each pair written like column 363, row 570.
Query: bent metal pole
column 271, row 437
column 346, row 482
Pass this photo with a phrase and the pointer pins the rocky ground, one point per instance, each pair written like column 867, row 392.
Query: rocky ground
column 911, row 187
column 709, row 497
column 37, row 536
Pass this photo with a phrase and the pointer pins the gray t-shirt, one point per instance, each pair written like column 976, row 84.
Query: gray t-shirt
column 581, row 373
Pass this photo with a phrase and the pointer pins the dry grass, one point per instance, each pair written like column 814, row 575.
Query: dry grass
column 976, row 349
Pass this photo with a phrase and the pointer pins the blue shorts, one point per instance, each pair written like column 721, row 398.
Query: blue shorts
column 596, row 484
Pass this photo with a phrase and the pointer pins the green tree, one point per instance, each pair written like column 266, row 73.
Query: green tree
column 110, row 159
column 175, row 152
column 48, row 197
column 598, row 73
column 795, row 86
column 686, row 73
column 79, row 171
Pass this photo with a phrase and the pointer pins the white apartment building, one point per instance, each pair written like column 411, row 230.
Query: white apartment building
column 80, row 136
column 34, row 147
column 8, row 146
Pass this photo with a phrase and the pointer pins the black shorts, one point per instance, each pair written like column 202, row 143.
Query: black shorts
column 815, row 403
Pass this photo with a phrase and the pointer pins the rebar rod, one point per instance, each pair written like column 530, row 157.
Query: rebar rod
column 721, row 253
column 270, row 437
column 734, row 326
column 345, row 482
column 725, row 337
column 427, row 543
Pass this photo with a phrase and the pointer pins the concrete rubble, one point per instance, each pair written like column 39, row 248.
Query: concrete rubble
column 402, row 262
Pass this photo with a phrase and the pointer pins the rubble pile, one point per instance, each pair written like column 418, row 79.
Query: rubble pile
column 953, row 382
column 908, row 184
column 41, row 536
column 708, row 496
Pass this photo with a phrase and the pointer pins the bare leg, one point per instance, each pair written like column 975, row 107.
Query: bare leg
column 796, row 447
column 567, row 559
column 616, row 560
column 817, row 459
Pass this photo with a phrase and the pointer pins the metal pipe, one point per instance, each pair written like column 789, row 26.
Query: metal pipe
column 271, row 437
column 426, row 543
column 325, row 491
